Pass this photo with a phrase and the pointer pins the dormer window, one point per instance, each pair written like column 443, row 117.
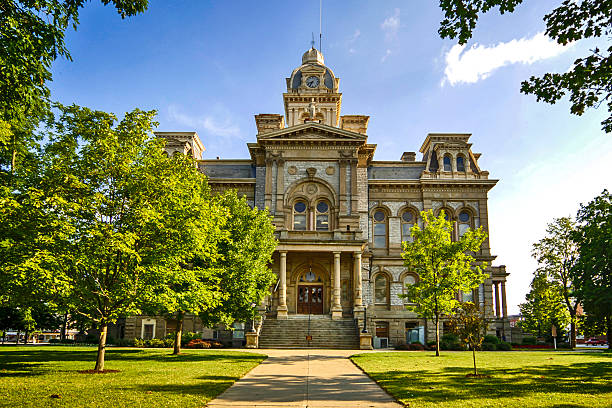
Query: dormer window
column 322, row 216
column 460, row 163
column 447, row 163
column 299, row 216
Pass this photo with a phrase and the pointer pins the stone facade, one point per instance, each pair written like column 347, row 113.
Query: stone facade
column 341, row 216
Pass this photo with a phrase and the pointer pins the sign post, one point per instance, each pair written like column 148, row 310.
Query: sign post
column 554, row 335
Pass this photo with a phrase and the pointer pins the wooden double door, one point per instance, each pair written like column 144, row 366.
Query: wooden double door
column 310, row 299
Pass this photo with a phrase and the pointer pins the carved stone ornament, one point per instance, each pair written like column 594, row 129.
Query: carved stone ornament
column 312, row 189
column 292, row 170
column 311, row 171
column 330, row 170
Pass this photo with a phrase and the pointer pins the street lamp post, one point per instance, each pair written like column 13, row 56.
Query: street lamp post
column 253, row 305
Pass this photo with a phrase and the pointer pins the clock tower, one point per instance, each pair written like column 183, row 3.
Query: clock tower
column 312, row 92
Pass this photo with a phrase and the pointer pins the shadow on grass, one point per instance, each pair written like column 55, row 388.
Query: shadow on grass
column 28, row 362
column 209, row 387
column 451, row 383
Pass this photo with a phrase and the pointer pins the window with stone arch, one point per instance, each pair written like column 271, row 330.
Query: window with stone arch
column 300, row 215
column 381, row 289
column 447, row 162
column 408, row 280
column 408, row 219
column 322, row 216
column 379, row 227
column 460, row 163
column 465, row 220
column 448, row 214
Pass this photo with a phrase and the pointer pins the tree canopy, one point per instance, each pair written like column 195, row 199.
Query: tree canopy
column 593, row 273
column 544, row 307
column 445, row 267
column 588, row 83
column 557, row 253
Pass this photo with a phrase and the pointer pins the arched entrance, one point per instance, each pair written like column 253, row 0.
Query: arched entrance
column 310, row 295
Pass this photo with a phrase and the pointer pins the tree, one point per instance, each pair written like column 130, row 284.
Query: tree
column 544, row 307
column 129, row 215
column 244, row 263
column 469, row 323
column 588, row 82
column 593, row 273
column 444, row 267
column 558, row 254
column 31, row 38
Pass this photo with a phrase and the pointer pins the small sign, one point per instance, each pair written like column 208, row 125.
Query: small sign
column 308, row 338
column 554, row 331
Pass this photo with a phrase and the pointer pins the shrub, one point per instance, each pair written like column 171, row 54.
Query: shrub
column 416, row 346
column 504, row 346
column 452, row 346
column 489, row 338
column 431, row 343
column 564, row 345
column 529, row 340
column 158, row 343
column 216, row 344
column 198, row 344
column 449, row 338
column 54, row 341
column 139, row 342
column 402, row 347
column 188, row 336
column 488, row 347
column 124, row 343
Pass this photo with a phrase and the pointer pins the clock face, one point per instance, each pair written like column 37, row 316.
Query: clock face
column 312, row 82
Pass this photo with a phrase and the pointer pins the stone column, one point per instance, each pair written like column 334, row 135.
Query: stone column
column 504, row 305
column 497, row 313
column 282, row 294
column 336, row 310
column 358, row 306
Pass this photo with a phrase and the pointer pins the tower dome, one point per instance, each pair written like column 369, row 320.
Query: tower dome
column 313, row 56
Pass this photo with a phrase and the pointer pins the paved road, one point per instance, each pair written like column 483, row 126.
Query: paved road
column 305, row 378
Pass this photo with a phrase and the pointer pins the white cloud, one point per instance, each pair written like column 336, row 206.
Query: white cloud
column 384, row 57
column 352, row 39
column 470, row 65
column 391, row 25
column 210, row 124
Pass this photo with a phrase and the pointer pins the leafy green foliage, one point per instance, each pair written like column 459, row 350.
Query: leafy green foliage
column 557, row 254
column 593, row 277
column 32, row 37
column 544, row 307
column 444, row 267
column 588, row 83
column 244, row 261
column 471, row 326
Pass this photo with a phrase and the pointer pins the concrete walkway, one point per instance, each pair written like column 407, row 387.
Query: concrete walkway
column 305, row 378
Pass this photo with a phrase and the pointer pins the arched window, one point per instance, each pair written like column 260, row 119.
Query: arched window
column 381, row 289
column 408, row 220
column 460, row 163
column 447, row 163
column 380, row 229
column 467, row 296
column 407, row 281
column 447, row 213
column 299, row 216
column 465, row 221
column 322, row 216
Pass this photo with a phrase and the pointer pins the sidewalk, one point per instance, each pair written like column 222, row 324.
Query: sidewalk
column 305, row 378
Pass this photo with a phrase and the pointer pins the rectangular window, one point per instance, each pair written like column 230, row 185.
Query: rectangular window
column 406, row 236
column 380, row 235
column 467, row 296
column 322, row 223
column 299, row 222
column 382, row 329
column 147, row 333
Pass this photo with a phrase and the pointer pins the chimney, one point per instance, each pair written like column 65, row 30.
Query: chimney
column 408, row 157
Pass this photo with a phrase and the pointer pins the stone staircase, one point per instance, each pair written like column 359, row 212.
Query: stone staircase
column 325, row 332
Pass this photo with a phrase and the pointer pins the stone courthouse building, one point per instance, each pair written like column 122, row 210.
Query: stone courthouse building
column 341, row 216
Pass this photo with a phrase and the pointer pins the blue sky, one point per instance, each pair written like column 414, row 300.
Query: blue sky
column 209, row 66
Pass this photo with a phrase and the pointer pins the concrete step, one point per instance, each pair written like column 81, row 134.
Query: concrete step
column 325, row 332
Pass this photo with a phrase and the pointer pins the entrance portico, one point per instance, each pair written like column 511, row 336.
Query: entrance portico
column 317, row 279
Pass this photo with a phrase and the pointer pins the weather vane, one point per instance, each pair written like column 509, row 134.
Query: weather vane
column 312, row 42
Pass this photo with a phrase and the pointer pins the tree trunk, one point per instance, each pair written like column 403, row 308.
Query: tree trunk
column 179, row 333
column 573, row 330
column 63, row 331
column 437, row 336
column 18, row 335
column 101, row 346
column 25, row 338
column 474, row 358
column 609, row 331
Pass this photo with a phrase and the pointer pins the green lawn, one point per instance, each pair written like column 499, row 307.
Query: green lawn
column 517, row 379
column 147, row 377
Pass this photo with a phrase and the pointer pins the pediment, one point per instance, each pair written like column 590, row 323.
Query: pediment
column 312, row 131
